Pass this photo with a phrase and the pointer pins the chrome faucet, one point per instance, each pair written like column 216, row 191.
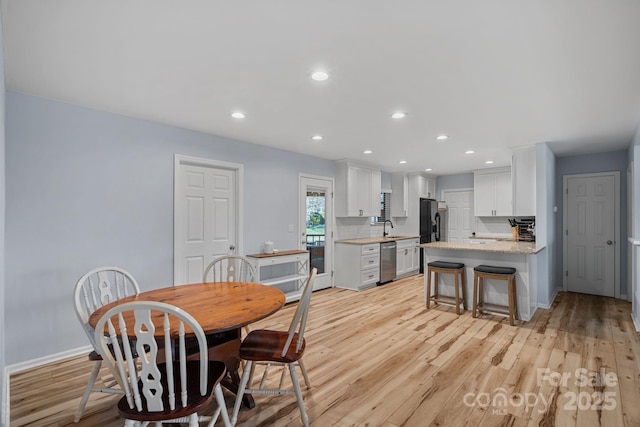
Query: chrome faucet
column 384, row 227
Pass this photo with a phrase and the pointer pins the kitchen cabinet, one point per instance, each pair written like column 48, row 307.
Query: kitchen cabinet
column 407, row 257
column 357, row 266
column 493, row 192
column 427, row 187
column 358, row 190
column 399, row 195
column 523, row 175
column 287, row 270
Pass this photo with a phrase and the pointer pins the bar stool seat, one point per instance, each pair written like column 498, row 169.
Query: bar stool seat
column 444, row 267
column 482, row 272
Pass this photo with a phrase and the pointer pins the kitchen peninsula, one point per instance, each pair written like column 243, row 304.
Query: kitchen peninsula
column 473, row 252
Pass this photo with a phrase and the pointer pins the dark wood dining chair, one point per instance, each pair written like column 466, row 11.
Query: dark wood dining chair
column 93, row 290
column 280, row 347
column 166, row 387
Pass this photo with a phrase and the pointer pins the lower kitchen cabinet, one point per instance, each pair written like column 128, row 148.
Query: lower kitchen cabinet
column 407, row 257
column 357, row 267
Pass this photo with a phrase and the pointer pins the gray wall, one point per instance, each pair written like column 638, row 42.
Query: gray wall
column 592, row 163
column 453, row 182
column 3, row 318
column 86, row 188
column 634, row 155
column 546, row 223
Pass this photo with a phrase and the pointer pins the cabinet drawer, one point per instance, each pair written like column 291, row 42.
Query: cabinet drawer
column 407, row 243
column 369, row 261
column 369, row 276
column 373, row 248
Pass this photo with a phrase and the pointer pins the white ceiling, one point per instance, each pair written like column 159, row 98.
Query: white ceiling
column 490, row 74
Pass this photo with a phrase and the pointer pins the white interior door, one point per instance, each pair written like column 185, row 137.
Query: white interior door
column 206, row 216
column 459, row 214
column 316, row 226
column 591, row 234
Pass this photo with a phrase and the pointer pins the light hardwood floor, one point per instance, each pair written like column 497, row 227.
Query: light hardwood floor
column 378, row 358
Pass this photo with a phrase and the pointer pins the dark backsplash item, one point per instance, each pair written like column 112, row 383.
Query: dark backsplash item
column 526, row 229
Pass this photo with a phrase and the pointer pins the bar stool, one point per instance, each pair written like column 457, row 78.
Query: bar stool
column 482, row 272
column 443, row 267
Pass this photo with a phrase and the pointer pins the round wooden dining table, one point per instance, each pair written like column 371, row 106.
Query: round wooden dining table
column 221, row 309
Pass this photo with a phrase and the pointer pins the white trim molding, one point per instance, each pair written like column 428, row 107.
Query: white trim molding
column 29, row 364
column 558, row 289
column 4, row 421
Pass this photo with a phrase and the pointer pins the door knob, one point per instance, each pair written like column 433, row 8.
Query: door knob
column 232, row 247
column 609, row 242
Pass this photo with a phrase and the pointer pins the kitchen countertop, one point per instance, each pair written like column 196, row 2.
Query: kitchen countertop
column 505, row 247
column 371, row 240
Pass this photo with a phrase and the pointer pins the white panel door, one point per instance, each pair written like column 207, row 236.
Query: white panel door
column 590, row 235
column 459, row 214
column 316, row 226
column 206, row 218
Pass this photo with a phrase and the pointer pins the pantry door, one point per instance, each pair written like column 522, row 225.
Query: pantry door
column 459, row 214
column 207, row 215
column 591, row 234
column 316, row 226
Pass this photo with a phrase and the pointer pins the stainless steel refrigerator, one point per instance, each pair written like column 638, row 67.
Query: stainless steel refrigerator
column 433, row 225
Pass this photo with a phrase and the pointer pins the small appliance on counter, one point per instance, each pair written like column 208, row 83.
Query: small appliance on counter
column 526, row 229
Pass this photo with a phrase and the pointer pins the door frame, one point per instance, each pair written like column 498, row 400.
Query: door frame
column 616, row 234
column 237, row 168
column 331, row 201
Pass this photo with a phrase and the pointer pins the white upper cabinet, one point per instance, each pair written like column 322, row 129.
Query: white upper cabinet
column 523, row 173
column 493, row 192
column 358, row 190
column 427, row 187
column 399, row 195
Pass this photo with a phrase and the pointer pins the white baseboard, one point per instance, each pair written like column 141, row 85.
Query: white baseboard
column 636, row 323
column 4, row 420
column 625, row 297
column 553, row 298
column 23, row 366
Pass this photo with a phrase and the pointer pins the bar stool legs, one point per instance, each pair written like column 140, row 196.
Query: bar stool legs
column 441, row 267
column 482, row 272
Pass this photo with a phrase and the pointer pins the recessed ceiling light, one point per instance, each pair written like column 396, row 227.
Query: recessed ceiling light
column 367, row 151
column 316, row 137
column 489, row 162
column 237, row 115
column 319, row 76
column 469, row 152
column 398, row 115
column 402, row 162
column 428, row 170
column 441, row 137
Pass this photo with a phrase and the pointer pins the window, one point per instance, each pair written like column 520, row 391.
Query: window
column 385, row 208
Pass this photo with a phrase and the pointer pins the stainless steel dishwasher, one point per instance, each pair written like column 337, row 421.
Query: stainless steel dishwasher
column 387, row 262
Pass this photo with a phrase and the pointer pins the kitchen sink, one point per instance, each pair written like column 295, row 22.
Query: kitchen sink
column 481, row 241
